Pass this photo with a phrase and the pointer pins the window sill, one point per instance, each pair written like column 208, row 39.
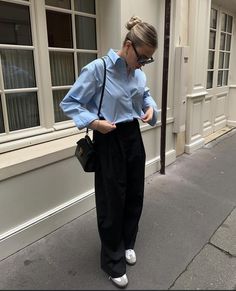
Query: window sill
column 26, row 159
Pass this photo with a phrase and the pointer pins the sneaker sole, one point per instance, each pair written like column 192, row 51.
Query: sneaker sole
column 130, row 264
column 117, row 285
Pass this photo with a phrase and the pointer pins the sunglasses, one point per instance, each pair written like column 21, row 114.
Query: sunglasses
column 142, row 60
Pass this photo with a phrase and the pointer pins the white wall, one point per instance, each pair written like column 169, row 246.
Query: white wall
column 37, row 202
column 109, row 19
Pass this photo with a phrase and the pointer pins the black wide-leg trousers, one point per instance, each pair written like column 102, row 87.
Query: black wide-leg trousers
column 119, row 190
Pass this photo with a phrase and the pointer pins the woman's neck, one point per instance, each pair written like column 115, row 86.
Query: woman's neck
column 122, row 54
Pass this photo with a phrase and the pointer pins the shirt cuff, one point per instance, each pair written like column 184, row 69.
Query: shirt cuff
column 84, row 120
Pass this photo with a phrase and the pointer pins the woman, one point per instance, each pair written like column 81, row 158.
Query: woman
column 119, row 178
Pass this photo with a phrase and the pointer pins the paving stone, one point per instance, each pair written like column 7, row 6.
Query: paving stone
column 212, row 269
column 225, row 236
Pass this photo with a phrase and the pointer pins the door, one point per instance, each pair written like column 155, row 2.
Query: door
column 220, row 40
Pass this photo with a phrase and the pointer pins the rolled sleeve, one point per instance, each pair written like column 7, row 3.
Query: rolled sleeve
column 74, row 103
column 148, row 101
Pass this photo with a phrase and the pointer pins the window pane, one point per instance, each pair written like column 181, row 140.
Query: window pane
column 62, row 68
column 1, row 119
column 221, row 60
column 228, row 42
column 213, row 18
column 14, row 24
column 85, row 33
column 59, row 29
column 84, row 59
column 58, row 3
column 22, row 110
column 57, row 98
column 222, row 41
column 229, row 23
column 212, row 40
column 225, row 78
column 87, row 6
column 211, row 60
column 18, row 68
column 220, row 78
column 223, row 21
column 209, row 79
column 226, row 62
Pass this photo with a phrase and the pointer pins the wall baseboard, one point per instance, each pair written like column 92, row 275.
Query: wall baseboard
column 231, row 123
column 154, row 165
column 190, row 148
column 31, row 231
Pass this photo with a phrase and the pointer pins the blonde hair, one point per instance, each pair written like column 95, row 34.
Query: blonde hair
column 141, row 33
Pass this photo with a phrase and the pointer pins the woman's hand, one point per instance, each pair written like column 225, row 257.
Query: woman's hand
column 148, row 115
column 102, row 126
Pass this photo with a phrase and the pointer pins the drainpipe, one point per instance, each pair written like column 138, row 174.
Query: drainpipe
column 165, row 84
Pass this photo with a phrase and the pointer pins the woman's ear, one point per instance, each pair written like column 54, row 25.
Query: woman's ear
column 128, row 43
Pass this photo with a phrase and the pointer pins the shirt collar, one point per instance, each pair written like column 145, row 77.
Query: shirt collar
column 114, row 56
column 116, row 59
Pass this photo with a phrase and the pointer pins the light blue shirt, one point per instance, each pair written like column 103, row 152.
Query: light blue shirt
column 125, row 96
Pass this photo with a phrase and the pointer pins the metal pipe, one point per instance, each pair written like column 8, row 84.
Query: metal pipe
column 165, row 84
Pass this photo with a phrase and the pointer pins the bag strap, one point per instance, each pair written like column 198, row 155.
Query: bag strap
column 103, row 87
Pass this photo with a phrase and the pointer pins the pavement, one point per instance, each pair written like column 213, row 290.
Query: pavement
column 186, row 239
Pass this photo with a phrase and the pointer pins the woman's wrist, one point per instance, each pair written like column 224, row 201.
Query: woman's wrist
column 95, row 124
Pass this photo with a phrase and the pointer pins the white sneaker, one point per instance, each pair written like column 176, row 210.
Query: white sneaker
column 130, row 257
column 120, row 282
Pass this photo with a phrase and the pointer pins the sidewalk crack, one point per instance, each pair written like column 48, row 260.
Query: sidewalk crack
column 227, row 253
column 180, row 274
column 207, row 243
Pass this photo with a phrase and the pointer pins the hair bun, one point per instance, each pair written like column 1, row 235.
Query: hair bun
column 132, row 22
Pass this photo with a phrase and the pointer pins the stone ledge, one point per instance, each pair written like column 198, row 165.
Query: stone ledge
column 26, row 159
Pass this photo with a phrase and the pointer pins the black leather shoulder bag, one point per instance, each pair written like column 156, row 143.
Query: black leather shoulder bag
column 85, row 152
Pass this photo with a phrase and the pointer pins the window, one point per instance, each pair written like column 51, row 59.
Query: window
column 65, row 42
column 212, row 47
column 219, row 48
column 19, row 98
column 224, row 52
column 72, row 44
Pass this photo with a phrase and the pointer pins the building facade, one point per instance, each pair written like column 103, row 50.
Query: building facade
column 43, row 46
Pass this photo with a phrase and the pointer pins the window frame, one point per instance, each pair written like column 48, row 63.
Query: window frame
column 217, row 50
column 73, row 50
column 48, row 129
column 7, row 136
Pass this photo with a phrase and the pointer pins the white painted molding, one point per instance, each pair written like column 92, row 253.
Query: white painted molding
column 25, row 138
column 26, row 159
column 231, row 123
column 45, row 215
column 190, row 148
column 198, row 94
column 34, row 229
column 23, row 160
column 153, row 165
column 231, row 110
